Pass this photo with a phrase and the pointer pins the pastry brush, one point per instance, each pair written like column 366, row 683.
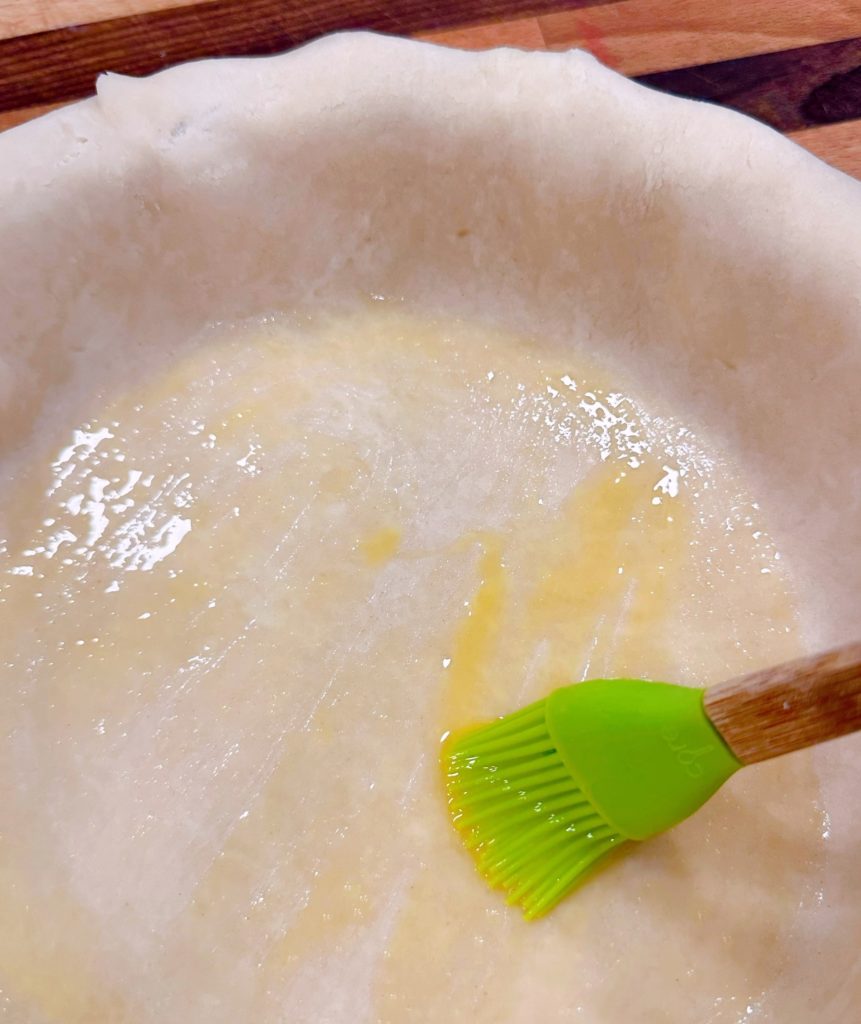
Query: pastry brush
column 539, row 796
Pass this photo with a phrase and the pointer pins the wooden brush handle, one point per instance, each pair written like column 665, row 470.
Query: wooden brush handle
column 789, row 707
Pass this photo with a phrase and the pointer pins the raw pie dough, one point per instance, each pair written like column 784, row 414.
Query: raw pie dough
column 336, row 414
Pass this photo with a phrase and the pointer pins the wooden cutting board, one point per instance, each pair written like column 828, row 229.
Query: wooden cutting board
column 794, row 64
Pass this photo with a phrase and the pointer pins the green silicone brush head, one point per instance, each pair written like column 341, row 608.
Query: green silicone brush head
column 531, row 829
column 543, row 794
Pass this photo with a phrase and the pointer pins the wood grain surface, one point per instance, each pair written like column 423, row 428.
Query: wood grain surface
column 638, row 37
column 23, row 17
column 63, row 63
column 789, row 90
column 794, row 64
column 778, row 710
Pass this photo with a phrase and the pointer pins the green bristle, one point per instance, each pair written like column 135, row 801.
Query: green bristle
column 532, row 830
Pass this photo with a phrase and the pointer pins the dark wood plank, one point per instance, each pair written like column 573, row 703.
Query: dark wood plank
column 789, row 90
column 50, row 67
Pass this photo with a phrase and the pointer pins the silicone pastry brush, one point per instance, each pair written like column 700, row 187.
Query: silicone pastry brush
column 541, row 795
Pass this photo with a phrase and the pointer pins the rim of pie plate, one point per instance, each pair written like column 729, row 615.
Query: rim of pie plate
column 539, row 194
